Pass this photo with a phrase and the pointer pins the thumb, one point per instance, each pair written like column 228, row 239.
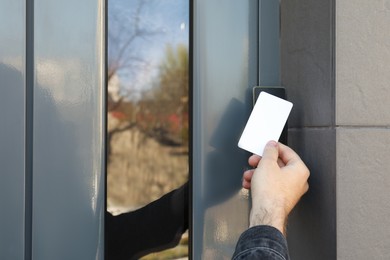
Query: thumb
column 271, row 151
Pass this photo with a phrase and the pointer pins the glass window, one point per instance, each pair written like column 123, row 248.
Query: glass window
column 147, row 128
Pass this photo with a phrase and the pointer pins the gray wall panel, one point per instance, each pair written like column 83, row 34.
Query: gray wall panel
column 307, row 72
column 12, row 129
column 269, row 43
column 68, row 162
column 307, row 61
column 312, row 224
column 225, row 70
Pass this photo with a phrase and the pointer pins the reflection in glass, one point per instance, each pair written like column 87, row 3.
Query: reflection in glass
column 147, row 121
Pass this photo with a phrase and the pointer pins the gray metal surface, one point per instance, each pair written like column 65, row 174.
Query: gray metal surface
column 225, row 70
column 307, row 72
column 312, row 224
column 269, row 43
column 307, row 64
column 68, row 146
column 12, row 128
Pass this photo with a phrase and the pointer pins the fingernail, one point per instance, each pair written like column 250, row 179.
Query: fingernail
column 273, row 143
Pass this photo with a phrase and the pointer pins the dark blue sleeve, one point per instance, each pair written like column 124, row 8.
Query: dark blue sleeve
column 157, row 226
column 261, row 242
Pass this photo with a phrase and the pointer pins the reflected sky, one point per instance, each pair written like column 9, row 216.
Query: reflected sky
column 167, row 19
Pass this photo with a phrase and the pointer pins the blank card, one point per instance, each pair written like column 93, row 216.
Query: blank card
column 265, row 123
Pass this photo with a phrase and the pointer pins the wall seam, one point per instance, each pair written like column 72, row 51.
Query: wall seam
column 333, row 59
column 342, row 126
column 357, row 127
column 312, row 127
column 29, row 84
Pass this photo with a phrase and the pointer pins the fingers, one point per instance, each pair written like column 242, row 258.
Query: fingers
column 246, row 178
column 246, row 185
column 271, row 151
column 280, row 163
column 254, row 160
column 292, row 160
column 287, row 155
column 283, row 156
column 248, row 175
column 306, row 187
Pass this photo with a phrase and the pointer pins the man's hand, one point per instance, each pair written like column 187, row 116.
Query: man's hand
column 277, row 184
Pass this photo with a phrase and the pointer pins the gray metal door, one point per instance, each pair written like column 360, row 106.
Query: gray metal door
column 12, row 129
column 235, row 47
column 52, row 129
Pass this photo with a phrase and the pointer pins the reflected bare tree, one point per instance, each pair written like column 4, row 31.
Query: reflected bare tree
column 127, row 30
column 144, row 134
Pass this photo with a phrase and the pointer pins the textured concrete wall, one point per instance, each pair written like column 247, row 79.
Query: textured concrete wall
column 363, row 132
column 363, row 181
column 363, row 63
column 336, row 68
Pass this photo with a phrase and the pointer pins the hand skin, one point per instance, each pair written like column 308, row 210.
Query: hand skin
column 277, row 184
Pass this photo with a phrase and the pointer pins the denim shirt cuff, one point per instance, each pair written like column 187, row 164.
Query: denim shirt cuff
column 263, row 241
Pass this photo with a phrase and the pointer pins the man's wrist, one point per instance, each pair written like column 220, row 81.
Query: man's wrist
column 270, row 217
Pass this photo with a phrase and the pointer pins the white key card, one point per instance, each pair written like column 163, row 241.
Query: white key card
column 265, row 123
